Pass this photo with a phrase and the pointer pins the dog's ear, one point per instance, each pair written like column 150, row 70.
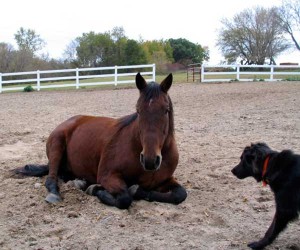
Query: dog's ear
column 255, row 156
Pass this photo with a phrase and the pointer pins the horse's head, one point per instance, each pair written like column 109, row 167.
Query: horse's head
column 155, row 119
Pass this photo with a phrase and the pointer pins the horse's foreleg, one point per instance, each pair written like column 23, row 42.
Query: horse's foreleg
column 115, row 194
column 55, row 153
column 170, row 192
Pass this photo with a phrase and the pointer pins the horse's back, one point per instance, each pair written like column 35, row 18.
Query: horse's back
column 80, row 124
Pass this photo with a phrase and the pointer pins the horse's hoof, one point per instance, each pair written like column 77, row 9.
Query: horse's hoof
column 92, row 189
column 53, row 198
column 79, row 184
column 132, row 190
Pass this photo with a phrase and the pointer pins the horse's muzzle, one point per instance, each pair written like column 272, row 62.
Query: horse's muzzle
column 149, row 163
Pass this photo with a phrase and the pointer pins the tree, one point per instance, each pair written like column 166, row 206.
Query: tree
column 158, row 52
column 289, row 18
column 99, row 49
column 119, row 39
column 186, row 52
column 70, row 53
column 252, row 36
column 95, row 50
column 134, row 53
column 28, row 40
column 6, row 57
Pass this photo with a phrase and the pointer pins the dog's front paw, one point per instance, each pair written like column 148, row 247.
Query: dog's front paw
column 258, row 244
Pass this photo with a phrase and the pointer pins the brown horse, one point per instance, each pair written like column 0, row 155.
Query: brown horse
column 130, row 158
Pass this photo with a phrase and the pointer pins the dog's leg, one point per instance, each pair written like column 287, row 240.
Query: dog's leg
column 280, row 221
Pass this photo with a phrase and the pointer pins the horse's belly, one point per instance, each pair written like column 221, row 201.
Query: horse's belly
column 85, row 146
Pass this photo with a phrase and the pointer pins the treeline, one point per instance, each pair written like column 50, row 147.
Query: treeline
column 99, row 50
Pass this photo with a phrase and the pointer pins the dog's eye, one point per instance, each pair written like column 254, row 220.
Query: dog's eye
column 248, row 159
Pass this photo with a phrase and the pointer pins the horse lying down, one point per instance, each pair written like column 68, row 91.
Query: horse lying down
column 130, row 158
column 281, row 170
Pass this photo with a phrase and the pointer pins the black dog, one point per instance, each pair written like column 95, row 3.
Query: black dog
column 282, row 172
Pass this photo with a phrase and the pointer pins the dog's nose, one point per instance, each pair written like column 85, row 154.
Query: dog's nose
column 233, row 171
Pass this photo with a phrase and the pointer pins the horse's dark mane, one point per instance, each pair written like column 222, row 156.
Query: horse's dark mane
column 171, row 117
column 127, row 120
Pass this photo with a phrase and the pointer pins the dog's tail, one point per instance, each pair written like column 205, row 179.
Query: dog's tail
column 32, row 170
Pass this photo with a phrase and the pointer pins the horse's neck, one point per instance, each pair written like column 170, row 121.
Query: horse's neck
column 130, row 132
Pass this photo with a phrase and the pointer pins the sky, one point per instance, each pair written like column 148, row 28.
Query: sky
column 58, row 22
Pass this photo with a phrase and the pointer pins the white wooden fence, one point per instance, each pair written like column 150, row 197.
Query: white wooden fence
column 213, row 73
column 74, row 77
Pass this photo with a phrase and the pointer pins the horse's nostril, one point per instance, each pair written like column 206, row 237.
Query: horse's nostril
column 142, row 159
column 157, row 161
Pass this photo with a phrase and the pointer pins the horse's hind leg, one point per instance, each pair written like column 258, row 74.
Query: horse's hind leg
column 55, row 150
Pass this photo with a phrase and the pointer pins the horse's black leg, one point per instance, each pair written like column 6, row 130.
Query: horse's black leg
column 176, row 195
column 122, row 200
column 171, row 192
column 56, row 150
column 53, row 189
column 280, row 221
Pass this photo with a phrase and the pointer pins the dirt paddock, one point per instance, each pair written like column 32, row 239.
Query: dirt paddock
column 213, row 123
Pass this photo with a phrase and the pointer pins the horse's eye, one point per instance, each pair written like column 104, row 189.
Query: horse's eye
column 138, row 112
column 167, row 111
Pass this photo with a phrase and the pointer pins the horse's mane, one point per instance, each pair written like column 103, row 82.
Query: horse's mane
column 126, row 120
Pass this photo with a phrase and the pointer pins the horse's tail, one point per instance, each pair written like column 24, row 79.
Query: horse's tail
column 32, row 170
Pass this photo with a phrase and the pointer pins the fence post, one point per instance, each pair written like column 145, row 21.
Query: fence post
column 202, row 73
column 193, row 73
column 77, row 78
column 238, row 72
column 0, row 82
column 272, row 72
column 116, row 75
column 187, row 74
column 153, row 72
column 38, row 80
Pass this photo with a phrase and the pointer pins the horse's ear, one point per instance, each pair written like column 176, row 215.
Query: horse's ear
column 166, row 83
column 140, row 82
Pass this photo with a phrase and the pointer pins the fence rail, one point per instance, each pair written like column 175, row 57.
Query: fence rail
column 222, row 73
column 79, row 77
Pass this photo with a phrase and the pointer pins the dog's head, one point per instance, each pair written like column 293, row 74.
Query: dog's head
column 252, row 160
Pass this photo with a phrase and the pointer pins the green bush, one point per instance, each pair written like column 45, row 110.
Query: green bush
column 292, row 78
column 28, row 88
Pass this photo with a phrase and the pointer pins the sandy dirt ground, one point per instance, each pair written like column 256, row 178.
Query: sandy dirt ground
column 213, row 122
